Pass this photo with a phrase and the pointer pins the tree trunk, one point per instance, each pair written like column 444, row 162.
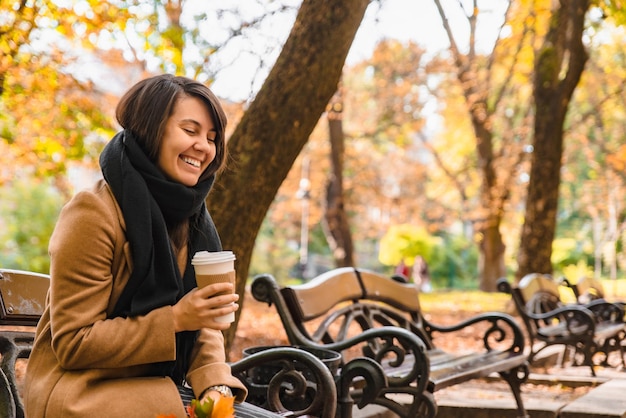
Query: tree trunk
column 336, row 225
column 491, row 263
column 277, row 124
column 562, row 51
column 475, row 77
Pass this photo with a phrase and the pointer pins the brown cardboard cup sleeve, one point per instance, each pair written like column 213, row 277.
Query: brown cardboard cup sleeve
column 207, row 279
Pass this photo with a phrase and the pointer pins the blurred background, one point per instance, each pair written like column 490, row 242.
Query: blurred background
column 434, row 124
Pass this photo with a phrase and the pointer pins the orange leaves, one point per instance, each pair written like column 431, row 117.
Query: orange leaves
column 618, row 159
column 223, row 408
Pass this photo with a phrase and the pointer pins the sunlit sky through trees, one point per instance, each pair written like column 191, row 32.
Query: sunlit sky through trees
column 405, row 20
column 242, row 65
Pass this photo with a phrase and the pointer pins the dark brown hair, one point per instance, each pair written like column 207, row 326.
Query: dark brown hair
column 146, row 107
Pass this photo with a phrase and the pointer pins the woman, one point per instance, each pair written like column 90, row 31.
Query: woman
column 125, row 329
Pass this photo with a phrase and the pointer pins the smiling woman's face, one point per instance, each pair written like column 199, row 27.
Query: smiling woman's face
column 188, row 144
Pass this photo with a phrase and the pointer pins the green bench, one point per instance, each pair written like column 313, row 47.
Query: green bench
column 302, row 384
column 334, row 309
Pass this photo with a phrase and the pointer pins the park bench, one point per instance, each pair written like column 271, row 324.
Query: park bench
column 586, row 289
column 334, row 308
column 302, row 384
column 595, row 328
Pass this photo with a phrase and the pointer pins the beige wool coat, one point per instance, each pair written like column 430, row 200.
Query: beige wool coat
column 85, row 365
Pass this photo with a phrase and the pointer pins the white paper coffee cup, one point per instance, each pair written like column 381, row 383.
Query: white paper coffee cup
column 215, row 267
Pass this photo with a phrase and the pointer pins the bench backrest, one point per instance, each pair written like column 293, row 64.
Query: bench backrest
column 534, row 283
column 539, row 293
column 377, row 287
column 312, row 299
column 587, row 289
column 350, row 295
column 535, row 294
column 403, row 297
column 22, row 296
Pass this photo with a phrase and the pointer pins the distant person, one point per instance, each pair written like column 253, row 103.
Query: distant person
column 403, row 270
column 421, row 275
column 126, row 332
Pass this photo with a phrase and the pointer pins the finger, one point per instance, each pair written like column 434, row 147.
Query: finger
column 223, row 310
column 213, row 314
column 220, row 301
column 212, row 289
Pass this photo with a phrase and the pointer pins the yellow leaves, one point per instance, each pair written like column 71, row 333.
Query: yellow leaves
column 46, row 146
column 385, row 99
column 615, row 10
column 405, row 242
column 48, row 117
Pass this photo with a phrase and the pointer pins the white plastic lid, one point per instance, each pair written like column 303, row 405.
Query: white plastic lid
column 204, row 257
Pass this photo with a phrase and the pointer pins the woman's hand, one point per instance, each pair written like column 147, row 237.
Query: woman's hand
column 213, row 394
column 199, row 308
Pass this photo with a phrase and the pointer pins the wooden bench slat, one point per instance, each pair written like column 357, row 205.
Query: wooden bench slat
column 311, row 301
column 22, row 297
column 607, row 329
column 458, row 369
column 403, row 296
column 463, row 370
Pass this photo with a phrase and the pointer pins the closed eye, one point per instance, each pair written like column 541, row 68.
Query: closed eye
column 190, row 127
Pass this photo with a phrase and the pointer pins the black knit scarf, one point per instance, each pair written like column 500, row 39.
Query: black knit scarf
column 149, row 202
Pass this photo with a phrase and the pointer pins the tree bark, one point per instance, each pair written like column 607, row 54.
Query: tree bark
column 491, row 262
column 562, row 52
column 277, row 124
column 336, row 225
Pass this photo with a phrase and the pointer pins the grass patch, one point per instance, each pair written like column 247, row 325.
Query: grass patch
column 478, row 301
column 615, row 289
column 464, row 300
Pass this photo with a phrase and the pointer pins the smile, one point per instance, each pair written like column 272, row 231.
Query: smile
column 192, row 161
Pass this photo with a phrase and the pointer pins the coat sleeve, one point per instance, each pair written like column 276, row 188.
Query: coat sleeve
column 208, row 366
column 84, row 286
